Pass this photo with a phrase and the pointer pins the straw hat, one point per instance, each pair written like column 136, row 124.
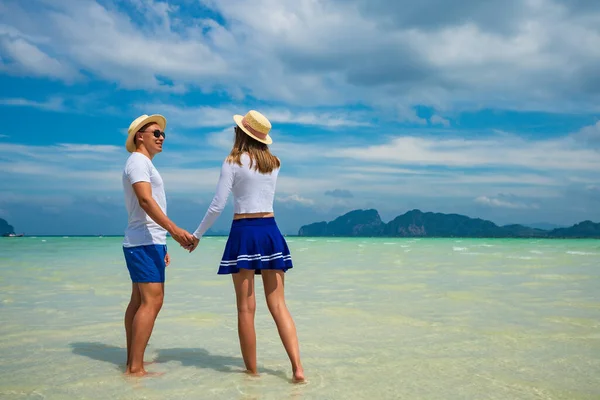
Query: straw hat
column 137, row 124
column 255, row 125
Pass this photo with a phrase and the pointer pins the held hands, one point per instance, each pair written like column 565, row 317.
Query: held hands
column 194, row 245
column 183, row 237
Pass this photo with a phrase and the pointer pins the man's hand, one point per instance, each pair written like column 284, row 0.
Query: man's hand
column 167, row 260
column 183, row 237
column 194, row 245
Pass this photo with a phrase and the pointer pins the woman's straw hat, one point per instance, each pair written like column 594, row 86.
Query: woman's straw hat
column 255, row 125
column 138, row 123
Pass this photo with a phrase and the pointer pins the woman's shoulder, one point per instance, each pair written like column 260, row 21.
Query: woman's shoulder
column 232, row 163
column 245, row 160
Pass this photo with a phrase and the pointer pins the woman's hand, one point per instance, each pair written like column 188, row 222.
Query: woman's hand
column 193, row 246
column 167, row 260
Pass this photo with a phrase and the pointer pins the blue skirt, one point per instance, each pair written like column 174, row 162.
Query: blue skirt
column 255, row 243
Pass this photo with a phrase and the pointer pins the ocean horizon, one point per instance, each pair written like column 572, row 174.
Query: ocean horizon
column 328, row 237
column 384, row 318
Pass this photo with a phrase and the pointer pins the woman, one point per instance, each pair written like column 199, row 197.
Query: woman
column 255, row 244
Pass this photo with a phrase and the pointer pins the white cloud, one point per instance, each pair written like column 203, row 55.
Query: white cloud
column 339, row 193
column 455, row 176
column 89, row 148
column 363, row 56
column 52, row 104
column 534, row 55
column 307, row 184
column 28, row 59
column 59, row 168
column 379, row 170
column 197, row 181
column 408, row 114
column 295, row 198
column 498, row 151
column 423, row 168
column 61, row 153
column 504, row 201
column 193, row 117
column 589, row 135
column 207, row 116
column 438, row 120
column 90, row 104
column 221, row 139
column 108, row 44
column 80, row 168
column 327, row 119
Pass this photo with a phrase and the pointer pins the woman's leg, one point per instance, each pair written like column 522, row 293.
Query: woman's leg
column 273, row 281
column 243, row 282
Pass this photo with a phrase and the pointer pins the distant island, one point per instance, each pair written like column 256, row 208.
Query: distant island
column 5, row 228
column 416, row 223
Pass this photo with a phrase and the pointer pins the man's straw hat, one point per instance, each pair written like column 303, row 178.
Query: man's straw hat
column 255, row 125
column 137, row 124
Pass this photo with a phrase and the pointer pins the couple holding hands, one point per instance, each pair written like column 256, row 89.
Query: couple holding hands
column 255, row 244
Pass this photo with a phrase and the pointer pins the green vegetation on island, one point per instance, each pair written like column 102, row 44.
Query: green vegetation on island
column 5, row 228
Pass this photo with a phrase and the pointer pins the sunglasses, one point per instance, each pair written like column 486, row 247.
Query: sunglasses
column 157, row 133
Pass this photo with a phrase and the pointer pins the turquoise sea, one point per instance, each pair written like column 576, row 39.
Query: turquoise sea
column 377, row 319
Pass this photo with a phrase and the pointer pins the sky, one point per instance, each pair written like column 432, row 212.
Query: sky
column 487, row 109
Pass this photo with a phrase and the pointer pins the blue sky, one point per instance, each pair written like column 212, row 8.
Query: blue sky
column 488, row 109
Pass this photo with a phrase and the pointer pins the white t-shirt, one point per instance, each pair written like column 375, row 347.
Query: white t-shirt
column 253, row 192
column 141, row 229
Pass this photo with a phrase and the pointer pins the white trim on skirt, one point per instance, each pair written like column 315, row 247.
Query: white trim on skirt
column 247, row 257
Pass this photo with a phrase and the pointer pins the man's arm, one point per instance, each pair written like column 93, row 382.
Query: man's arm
column 143, row 192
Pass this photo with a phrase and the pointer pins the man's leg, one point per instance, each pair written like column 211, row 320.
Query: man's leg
column 134, row 304
column 143, row 322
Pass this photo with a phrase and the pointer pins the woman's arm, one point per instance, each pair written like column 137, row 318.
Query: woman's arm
column 218, row 203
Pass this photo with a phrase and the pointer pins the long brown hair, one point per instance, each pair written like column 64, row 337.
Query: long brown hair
column 261, row 159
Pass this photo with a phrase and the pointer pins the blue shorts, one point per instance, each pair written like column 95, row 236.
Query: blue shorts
column 146, row 263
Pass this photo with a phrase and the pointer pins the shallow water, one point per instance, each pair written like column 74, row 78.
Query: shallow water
column 377, row 318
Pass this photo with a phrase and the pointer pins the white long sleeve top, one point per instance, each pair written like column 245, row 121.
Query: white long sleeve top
column 253, row 192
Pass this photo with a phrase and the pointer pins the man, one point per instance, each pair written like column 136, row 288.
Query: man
column 145, row 241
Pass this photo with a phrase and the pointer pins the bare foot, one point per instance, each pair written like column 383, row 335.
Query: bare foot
column 138, row 372
column 145, row 363
column 142, row 372
column 154, row 374
column 299, row 376
column 251, row 373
